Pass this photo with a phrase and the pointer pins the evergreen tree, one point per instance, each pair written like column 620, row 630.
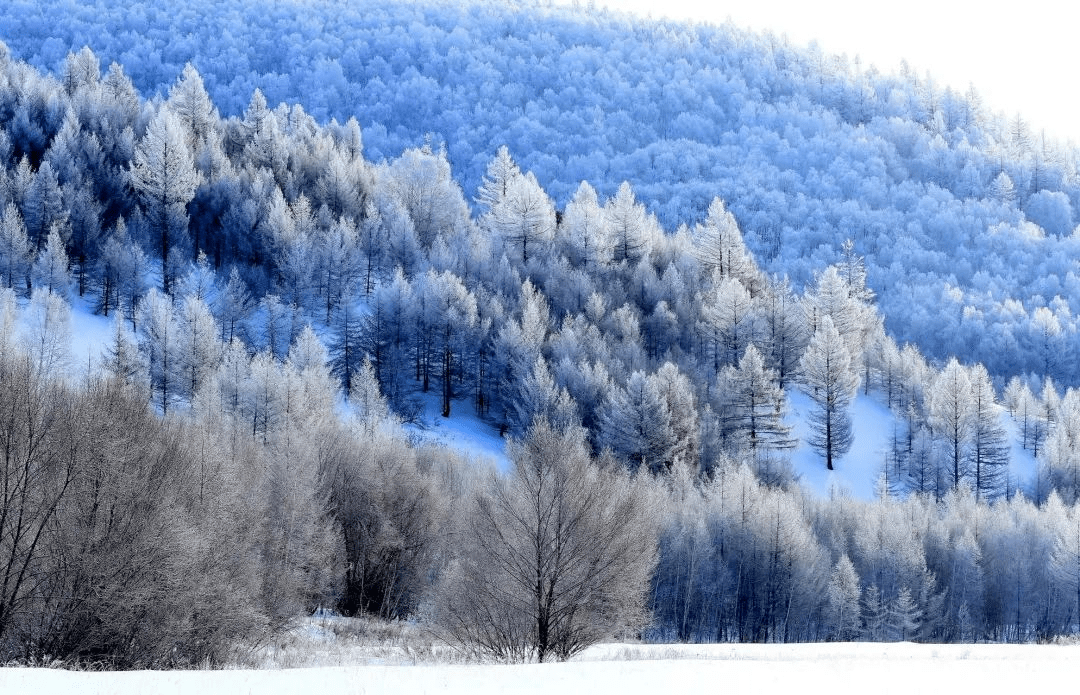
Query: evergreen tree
column 14, row 250
column 754, row 406
column 988, row 455
column 843, row 600
column 718, row 244
column 831, row 383
column 50, row 270
column 950, row 414
column 163, row 174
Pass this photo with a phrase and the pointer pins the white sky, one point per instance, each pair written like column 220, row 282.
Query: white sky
column 1020, row 56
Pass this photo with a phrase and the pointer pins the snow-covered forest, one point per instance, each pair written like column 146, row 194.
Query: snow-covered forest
column 286, row 300
column 965, row 216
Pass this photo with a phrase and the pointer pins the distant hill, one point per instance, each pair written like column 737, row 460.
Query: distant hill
column 965, row 217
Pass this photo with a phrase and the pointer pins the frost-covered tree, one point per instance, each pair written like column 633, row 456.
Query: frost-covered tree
column 233, row 306
column 43, row 205
column 718, row 243
column 122, row 360
column 496, row 182
column 843, row 594
column 628, row 225
column 829, row 380
column 636, row 425
column 423, row 184
column 524, row 217
column 198, row 348
column 754, row 406
column 950, row 415
column 163, row 175
column 346, row 344
column 583, row 232
column 50, row 270
column 728, row 320
column 47, row 332
column 988, row 455
column 553, row 557
column 15, row 253
column 158, row 342
column 783, row 331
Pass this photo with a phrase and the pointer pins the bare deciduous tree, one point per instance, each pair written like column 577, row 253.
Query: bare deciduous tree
column 555, row 556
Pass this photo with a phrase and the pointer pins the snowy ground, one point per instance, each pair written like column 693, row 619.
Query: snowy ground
column 90, row 335
column 855, row 472
column 628, row 669
column 463, row 431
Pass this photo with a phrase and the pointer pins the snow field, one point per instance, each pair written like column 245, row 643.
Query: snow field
column 626, row 669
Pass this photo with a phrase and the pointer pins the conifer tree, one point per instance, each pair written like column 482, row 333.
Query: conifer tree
column 163, row 174
column 843, row 600
column 831, row 383
column 989, row 453
column 14, row 250
column 50, row 271
column 627, row 222
column 495, row 185
column 718, row 243
column 755, row 405
column 950, row 414
column 158, row 341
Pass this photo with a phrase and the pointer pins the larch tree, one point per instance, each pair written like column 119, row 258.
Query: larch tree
column 158, row 341
column 15, row 253
column 950, row 414
column 830, row 381
column 783, row 330
column 50, row 271
column 754, row 405
column 233, row 306
column 584, row 233
column 495, row 184
column 627, row 224
column 728, row 320
column 524, row 217
column 422, row 182
column 198, row 349
column 636, row 425
column 988, row 455
column 718, row 243
column 47, row 332
column 43, row 205
column 843, row 594
column 191, row 104
column 163, row 175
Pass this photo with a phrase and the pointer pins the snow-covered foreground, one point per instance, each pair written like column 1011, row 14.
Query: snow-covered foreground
column 806, row 668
